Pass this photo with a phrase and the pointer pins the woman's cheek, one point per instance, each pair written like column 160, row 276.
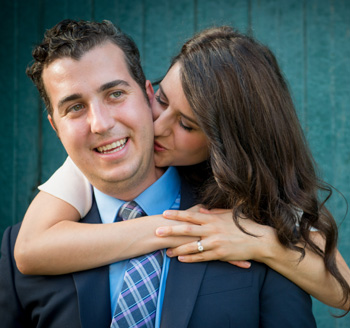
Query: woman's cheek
column 156, row 110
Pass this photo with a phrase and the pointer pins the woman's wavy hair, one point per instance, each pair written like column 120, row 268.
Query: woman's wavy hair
column 70, row 38
column 261, row 165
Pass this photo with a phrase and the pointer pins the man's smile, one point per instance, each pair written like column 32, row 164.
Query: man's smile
column 112, row 147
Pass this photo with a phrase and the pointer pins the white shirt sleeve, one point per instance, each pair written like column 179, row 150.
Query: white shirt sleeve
column 70, row 185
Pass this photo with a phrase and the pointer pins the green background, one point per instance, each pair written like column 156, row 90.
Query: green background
column 311, row 40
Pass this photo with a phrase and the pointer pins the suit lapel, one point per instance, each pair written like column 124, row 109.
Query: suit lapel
column 183, row 281
column 93, row 288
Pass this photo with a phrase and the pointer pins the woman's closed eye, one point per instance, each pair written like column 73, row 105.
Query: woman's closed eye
column 184, row 126
column 181, row 119
column 160, row 101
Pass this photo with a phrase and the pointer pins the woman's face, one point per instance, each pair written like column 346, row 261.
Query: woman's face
column 178, row 139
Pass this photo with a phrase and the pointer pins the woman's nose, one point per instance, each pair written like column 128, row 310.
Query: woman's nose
column 163, row 124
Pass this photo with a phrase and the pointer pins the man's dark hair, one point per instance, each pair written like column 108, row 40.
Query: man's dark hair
column 73, row 39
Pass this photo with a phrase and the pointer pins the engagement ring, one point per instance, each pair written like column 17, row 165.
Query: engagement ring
column 200, row 247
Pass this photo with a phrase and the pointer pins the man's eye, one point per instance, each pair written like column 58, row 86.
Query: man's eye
column 76, row 108
column 116, row 94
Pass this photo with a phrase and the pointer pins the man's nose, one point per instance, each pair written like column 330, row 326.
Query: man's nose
column 101, row 118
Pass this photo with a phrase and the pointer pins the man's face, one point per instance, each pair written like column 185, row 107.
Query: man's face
column 103, row 120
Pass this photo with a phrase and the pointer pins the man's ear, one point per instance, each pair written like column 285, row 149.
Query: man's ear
column 149, row 91
column 49, row 117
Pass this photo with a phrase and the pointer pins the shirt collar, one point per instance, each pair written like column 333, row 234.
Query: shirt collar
column 157, row 198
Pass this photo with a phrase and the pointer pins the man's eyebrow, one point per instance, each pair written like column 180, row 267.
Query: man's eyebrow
column 74, row 96
column 102, row 88
column 113, row 84
column 182, row 114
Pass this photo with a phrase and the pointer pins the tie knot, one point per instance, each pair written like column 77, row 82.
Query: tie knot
column 130, row 210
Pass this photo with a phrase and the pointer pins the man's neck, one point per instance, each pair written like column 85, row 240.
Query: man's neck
column 129, row 191
column 157, row 198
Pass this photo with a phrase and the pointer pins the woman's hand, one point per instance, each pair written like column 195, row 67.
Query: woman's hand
column 223, row 240
column 220, row 237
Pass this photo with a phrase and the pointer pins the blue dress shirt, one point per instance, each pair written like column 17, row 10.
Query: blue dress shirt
column 157, row 198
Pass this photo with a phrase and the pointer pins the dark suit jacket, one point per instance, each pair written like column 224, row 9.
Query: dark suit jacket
column 205, row 295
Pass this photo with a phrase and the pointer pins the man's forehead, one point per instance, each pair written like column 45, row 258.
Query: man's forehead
column 105, row 59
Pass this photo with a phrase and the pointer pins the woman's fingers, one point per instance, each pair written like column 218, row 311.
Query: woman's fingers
column 194, row 255
column 220, row 237
column 186, row 216
column 241, row 264
column 190, row 248
column 195, row 208
column 210, row 256
column 181, row 230
column 214, row 210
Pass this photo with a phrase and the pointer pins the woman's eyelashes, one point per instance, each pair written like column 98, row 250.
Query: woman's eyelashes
column 165, row 104
column 160, row 101
column 187, row 128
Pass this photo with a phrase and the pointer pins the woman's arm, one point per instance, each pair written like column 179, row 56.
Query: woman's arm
column 310, row 274
column 51, row 241
column 222, row 240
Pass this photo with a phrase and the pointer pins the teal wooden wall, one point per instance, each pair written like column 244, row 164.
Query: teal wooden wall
column 310, row 38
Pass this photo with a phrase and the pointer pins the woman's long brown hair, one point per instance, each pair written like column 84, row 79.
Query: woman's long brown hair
column 261, row 165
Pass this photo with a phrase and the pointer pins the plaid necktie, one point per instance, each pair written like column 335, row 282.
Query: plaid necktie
column 137, row 301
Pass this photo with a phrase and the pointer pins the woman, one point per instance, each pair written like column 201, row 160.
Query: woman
column 225, row 107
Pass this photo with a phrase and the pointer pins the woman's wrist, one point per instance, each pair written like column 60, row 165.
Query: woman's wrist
column 267, row 248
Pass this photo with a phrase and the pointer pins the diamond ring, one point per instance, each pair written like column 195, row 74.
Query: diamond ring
column 199, row 246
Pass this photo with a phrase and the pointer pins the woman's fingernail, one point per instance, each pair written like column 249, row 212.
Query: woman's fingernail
column 169, row 252
column 181, row 258
column 166, row 213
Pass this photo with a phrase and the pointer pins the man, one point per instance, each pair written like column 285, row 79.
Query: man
column 90, row 78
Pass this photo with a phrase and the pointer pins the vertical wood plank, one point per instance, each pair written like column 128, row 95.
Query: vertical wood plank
column 319, row 107
column 28, row 112
column 328, row 112
column 8, row 56
column 223, row 12
column 280, row 25
column 105, row 9
column 80, row 9
column 167, row 25
column 321, row 112
column 340, row 100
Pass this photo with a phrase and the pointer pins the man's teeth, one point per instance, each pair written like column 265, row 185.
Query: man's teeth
column 113, row 147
